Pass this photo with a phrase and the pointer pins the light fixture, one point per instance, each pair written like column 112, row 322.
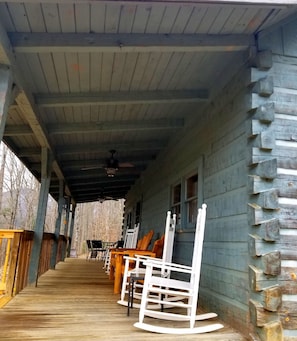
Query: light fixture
column 111, row 171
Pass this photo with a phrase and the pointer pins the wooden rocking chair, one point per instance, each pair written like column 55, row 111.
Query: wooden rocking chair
column 138, row 269
column 156, row 287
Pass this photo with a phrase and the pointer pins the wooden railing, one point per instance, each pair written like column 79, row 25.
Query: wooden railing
column 15, row 253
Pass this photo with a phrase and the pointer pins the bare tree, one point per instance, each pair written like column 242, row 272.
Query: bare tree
column 102, row 221
column 20, row 193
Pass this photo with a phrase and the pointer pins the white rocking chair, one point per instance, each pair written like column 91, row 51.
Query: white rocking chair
column 130, row 242
column 157, row 287
column 139, row 269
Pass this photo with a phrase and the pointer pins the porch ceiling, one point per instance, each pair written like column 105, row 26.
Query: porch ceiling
column 95, row 76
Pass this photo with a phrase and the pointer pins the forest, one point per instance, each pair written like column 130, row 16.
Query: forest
column 19, row 193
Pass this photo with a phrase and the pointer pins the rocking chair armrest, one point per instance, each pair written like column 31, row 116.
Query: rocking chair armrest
column 139, row 258
column 158, row 263
column 143, row 258
column 130, row 258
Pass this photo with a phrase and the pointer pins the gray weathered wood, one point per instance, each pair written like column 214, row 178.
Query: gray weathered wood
column 272, row 298
column 123, row 97
column 259, row 315
column 268, row 230
column 258, row 280
column 127, row 125
column 256, row 127
column 264, row 60
column 80, row 42
column 5, row 96
column 40, row 218
column 264, row 87
column 264, row 112
column 272, row 331
column 61, row 201
column 267, row 199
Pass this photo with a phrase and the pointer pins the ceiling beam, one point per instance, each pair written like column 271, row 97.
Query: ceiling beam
column 18, row 130
column 121, row 97
column 151, row 146
column 101, row 191
column 103, row 185
column 95, row 148
column 101, row 177
column 201, row 3
column 98, row 162
column 136, row 42
column 111, row 126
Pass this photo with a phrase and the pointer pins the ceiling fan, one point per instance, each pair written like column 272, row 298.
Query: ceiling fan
column 103, row 197
column 112, row 165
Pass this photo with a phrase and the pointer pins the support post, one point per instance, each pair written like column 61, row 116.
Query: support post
column 61, row 203
column 66, row 230
column 5, row 95
column 71, row 230
column 46, row 165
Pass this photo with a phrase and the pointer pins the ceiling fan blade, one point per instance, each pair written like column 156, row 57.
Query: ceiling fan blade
column 126, row 165
column 91, row 167
column 102, row 199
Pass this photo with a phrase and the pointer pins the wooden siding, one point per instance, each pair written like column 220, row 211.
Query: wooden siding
column 76, row 302
column 220, row 136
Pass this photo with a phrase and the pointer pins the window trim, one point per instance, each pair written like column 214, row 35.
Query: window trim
column 192, row 169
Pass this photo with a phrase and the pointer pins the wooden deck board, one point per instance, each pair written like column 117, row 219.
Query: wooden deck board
column 76, row 302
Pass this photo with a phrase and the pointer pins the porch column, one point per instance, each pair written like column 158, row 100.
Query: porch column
column 46, row 166
column 71, row 228
column 5, row 95
column 61, row 203
column 66, row 225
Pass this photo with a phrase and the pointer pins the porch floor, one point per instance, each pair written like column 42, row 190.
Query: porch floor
column 76, row 302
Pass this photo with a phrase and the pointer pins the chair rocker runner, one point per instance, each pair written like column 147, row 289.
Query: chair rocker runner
column 156, row 287
column 139, row 270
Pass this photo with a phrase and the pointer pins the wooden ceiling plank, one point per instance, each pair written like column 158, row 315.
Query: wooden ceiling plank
column 120, row 97
column 18, row 130
column 84, row 42
column 112, row 126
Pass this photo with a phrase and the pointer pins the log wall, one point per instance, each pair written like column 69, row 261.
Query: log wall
column 273, row 193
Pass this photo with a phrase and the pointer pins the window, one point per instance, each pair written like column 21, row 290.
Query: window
column 176, row 202
column 191, row 200
column 129, row 220
column 186, row 195
column 138, row 213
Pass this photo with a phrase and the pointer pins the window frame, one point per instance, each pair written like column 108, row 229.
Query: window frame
column 196, row 168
